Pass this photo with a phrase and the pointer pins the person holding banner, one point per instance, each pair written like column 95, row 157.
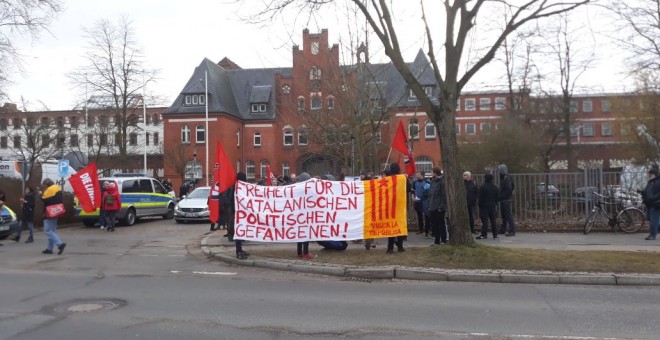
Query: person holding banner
column 303, row 247
column 398, row 240
column 51, row 196
column 240, row 253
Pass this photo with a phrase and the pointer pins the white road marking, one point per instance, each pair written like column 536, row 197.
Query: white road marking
column 215, row 273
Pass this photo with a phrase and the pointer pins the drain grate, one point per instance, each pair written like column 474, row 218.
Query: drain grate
column 85, row 306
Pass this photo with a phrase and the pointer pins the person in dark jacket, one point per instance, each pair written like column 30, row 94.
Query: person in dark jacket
column 438, row 206
column 27, row 218
column 420, row 187
column 111, row 202
column 489, row 195
column 471, row 193
column 51, row 195
column 395, row 169
column 240, row 253
column 506, row 194
column 651, row 197
column 302, row 248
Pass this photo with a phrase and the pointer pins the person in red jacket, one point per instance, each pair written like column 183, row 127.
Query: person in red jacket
column 111, row 204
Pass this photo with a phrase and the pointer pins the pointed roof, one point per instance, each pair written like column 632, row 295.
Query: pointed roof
column 227, row 64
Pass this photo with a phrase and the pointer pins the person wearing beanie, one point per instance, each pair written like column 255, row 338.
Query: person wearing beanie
column 240, row 253
column 438, row 206
column 489, row 195
column 398, row 240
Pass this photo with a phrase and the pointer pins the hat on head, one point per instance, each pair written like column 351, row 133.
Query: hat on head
column 467, row 173
column 654, row 171
column 395, row 169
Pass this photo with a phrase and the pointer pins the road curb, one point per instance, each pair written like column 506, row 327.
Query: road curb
column 421, row 274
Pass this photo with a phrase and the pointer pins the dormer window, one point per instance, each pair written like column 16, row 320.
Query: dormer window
column 194, row 100
column 259, row 107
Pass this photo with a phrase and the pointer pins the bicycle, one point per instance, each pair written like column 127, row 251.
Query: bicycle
column 629, row 219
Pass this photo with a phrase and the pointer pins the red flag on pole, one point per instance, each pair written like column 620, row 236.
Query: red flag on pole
column 224, row 177
column 400, row 143
column 86, row 187
column 269, row 176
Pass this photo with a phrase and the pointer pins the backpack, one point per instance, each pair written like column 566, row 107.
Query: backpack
column 110, row 199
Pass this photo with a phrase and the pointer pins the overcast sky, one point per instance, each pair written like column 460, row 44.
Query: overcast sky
column 176, row 35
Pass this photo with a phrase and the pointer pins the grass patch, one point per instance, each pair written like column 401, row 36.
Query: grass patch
column 486, row 257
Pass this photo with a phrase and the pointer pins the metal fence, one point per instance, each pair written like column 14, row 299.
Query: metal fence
column 552, row 199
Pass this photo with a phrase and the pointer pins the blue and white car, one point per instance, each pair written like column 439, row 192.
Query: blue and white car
column 8, row 222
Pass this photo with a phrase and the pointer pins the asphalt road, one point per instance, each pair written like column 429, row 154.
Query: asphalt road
column 151, row 281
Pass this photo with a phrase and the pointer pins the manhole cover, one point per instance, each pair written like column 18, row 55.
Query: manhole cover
column 85, row 306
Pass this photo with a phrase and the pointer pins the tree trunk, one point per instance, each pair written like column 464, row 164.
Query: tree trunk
column 459, row 226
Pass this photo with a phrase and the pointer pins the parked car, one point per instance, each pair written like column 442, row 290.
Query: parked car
column 545, row 194
column 8, row 222
column 193, row 207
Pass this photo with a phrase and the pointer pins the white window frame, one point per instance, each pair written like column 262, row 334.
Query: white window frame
column 484, row 104
column 458, row 129
column 250, row 170
column 587, row 106
column 286, row 169
column 331, row 103
column 486, row 128
column 429, row 91
column 262, row 169
column 411, row 95
column 200, row 128
column 285, row 134
column 300, row 103
column 195, row 99
column 573, row 106
column 470, row 104
column 458, row 104
column 606, row 130
column 428, row 135
column 185, row 134
column 424, row 164
column 413, row 123
column 500, row 103
column 302, row 134
column 316, row 103
column 471, row 126
column 256, row 139
column 187, row 100
column 588, row 130
column 606, row 105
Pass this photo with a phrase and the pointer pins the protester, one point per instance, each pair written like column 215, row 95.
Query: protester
column 420, row 188
column 398, row 240
column 51, row 195
column 369, row 242
column 102, row 222
column 651, row 197
column 111, row 202
column 303, row 247
column 3, row 199
column 488, row 197
column 333, row 245
column 471, row 194
column 438, row 206
column 27, row 218
column 231, row 192
column 506, row 194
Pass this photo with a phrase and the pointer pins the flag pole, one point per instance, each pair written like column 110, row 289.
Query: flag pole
column 388, row 159
column 206, row 129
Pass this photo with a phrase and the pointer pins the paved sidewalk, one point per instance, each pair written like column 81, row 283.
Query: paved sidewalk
column 215, row 245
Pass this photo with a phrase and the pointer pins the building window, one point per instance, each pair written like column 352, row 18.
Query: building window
column 249, row 170
column 117, row 139
column 411, row 95
column 17, row 142
column 470, row 104
column 606, row 105
column 315, row 73
column 424, row 164
column 379, row 136
column 259, row 107
column 458, row 129
column 156, row 141
column 413, row 129
column 132, row 139
column 626, row 130
column 429, row 130
column 257, row 139
column 45, row 141
column 606, row 130
column 155, row 119
column 147, row 138
column 3, row 124
column 500, row 103
column 484, row 104
column 587, row 106
column 301, row 104
column 3, row 142
column 470, row 129
column 262, row 169
column 103, row 121
column 429, row 91
column 17, row 123
column 185, row 134
column 44, row 121
column 288, row 138
column 90, row 121
column 588, row 130
column 485, row 128
column 331, row 103
column 573, row 106
column 200, row 134
column 286, row 170
column 59, row 142
column 73, row 121
column 133, row 119
column 316, row 103
column 194, row 99
column 59, row 122
column 302, row 136
column 238, row 138
column 90, row 140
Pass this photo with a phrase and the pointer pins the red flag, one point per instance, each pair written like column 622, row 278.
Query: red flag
column 86, row 187
column 226, row 173
column 269, row 176
column 400, row 143
column 214, row 197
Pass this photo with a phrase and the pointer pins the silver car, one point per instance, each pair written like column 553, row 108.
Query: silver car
column 193, row 207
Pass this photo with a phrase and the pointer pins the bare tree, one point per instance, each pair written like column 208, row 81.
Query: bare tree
column 114, row 76
column 177, row 158
column 20, row 18
column 640, row 25
column 460, row 18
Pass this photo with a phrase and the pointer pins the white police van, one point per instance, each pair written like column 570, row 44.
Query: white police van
column 140, row 197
